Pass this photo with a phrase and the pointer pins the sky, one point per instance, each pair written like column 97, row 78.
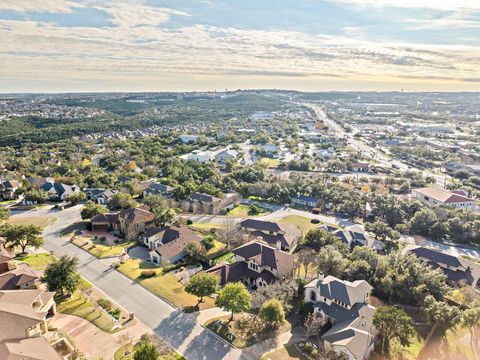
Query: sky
column 180, row 45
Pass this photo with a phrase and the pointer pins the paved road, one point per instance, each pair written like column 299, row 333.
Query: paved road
column 179, row 330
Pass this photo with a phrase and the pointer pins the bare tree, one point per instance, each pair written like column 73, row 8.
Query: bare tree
column 306, row 257
column 125, row 338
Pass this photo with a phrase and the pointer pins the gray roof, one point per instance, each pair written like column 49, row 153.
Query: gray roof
column 203, row 198
column 346, row 292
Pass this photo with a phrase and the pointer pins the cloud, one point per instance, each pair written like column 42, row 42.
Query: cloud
column 50, row 6
column 445, row 5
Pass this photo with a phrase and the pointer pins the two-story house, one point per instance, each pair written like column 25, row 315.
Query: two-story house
column 272, row 233
column 23, row 323
column 209, row 204
column 100, row 196
column 8, row 188
column 345, row 305
column 58, row 191
column 256, row 264
column 441, row 197
column 128, row 222
column 459, row 271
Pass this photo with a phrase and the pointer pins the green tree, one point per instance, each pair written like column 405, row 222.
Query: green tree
column 23, row 236
column 441, row 315
column 392, row 323
column 164, row 216
column 382, row 231
column 122, row 201
column 272, row 312
column 234, row 297
column 38, row 196
column 471, row 319
column 91, row 209
column 146, row 351
column 202, row 284
column 195, row 253
column 62, row 275
column 76, row 198
column 4, row 214
column 330, row 261
column 254, row 209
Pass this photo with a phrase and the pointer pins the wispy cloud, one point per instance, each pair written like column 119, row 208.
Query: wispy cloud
column 50, row 6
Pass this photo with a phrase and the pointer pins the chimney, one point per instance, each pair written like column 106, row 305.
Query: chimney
column 321, row 276
column 279, row 245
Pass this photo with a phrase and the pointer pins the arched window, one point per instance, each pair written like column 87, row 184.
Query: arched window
column 313, row 296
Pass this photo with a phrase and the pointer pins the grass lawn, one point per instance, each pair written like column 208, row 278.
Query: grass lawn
column 288, row 352
column 217, row 246
column 99, row 249
column 270, row 163
column 246, row 329
column 301, row 222
column 42, row 221
column 78, row 305
column 37, row 261
column 205, row 226
column 228, row 258
column 166, row 286
column 241, row 211
column 119, row 354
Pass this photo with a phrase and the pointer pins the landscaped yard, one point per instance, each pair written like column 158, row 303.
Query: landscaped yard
column 119, row 354
column 166, row 285
column 100, row 248
column 241, row 211
column 78, row 305
column 42, row 221
column 205, row 226
column 245, row 328
column 37, row 261
column 301, row 222
column 217, row 246
column 228, row 258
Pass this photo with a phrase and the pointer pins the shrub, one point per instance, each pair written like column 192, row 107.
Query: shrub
column 148, row 273
column 105, row 303
column 115, row 313
column 315, row 221
column 103, row 239
column 208, row 243
column 116, row 241
column 189, row 222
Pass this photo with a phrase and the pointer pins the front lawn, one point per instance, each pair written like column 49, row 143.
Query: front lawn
column 205, row 226
column 301, row 222
column 167, row 286
column 245, row 329
column 241, row 211
column 78, row 305
column 42, row 221
column 101, row 249
column 37, row 261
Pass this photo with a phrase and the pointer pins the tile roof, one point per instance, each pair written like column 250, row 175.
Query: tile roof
column 442, row 195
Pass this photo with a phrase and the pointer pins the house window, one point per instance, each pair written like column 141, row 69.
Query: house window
column 313, row 296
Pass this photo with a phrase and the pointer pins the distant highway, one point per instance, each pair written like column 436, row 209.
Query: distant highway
column 370, row 151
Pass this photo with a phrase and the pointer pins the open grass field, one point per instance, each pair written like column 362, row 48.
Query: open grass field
column 205, row 226
column 42, row 221
column 99, row 249
column 78, row 305
column 241, row 211
column 270, row 163
column 37, row 261
column 166, row 286
column 301, row 222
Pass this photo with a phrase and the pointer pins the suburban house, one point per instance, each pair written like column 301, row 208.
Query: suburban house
column 209, row 204
column 8, row 188
column 187, row 139
column 200, row 156
column 269, row 150
column 304, row 200
column 345, row 305
column 128, row 222
column 15, row 276
column 100, row 196
column 439, row 196
column 226, row 155
column 283, row 235
column 58, row 191
column 26, row 312
column 256, row 264
column 459, row 271
column 355, row 235
column 167, row 244
column 360, row 167
column 158, row 189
